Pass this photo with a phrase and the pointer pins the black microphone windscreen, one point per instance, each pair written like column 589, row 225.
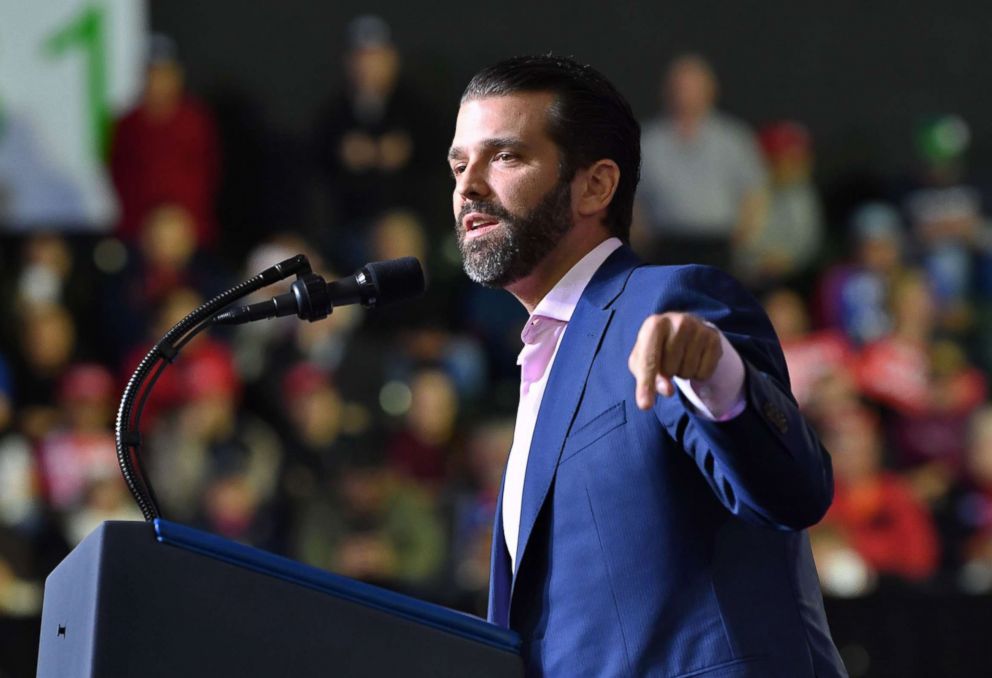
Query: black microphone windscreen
column 396, row 279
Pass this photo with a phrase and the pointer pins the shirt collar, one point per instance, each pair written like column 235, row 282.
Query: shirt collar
column 561, row 301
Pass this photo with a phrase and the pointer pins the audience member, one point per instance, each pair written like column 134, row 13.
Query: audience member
column 927, row 388
column 47, row 264
column 166, row 260
column 213, row 463
column 19, row 481
column 422, row 449
column 833, row 395
column 703, row 186
column 165, row 150
column 31, row 542
column 401, row 233
column 266, row 350
column 79, row 460
column 398, row 233
column 52, row 271
column 323, row 431
column 894, row 370
column 253, row 342
column 169, row 393
column 232, row 505
column 853, row 296
column 790, row 240
column 810, row 356
column 81, row 448
column 374, row 525
column 967, row 514
column 369, row 138
column 876, row 526
column 948, row 219
column 899, row 370
column 47, row 346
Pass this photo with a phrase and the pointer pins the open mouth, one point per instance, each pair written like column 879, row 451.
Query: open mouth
column 477, row 224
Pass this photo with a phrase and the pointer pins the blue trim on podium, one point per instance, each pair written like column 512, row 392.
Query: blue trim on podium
column 438, row 617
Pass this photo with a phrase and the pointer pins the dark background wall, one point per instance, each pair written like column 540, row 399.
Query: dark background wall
column 860, row 73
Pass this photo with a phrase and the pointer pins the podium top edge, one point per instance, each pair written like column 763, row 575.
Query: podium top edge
column 263, row 562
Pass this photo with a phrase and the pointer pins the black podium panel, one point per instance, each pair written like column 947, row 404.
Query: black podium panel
column 131, row 600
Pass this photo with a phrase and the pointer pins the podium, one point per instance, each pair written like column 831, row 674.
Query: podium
column 161, row 599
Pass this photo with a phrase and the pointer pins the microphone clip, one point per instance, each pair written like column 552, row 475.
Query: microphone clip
column 312, row 299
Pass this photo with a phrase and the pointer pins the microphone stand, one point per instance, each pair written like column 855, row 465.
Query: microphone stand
column 127, row 429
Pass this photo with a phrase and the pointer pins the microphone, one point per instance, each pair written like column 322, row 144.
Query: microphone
column 313, row 298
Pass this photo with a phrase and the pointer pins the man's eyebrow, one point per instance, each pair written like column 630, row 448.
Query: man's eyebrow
column 489, row 144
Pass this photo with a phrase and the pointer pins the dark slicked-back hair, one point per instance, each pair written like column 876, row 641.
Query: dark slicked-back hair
column 590, row 120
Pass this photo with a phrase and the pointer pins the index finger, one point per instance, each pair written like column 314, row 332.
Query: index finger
column 645, row 359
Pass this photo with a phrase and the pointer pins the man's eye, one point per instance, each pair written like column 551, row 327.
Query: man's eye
column 505, row 157
column 457, row 169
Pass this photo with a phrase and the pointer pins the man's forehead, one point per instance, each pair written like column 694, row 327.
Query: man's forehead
column 504, row 113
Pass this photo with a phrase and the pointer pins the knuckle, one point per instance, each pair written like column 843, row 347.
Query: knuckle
column 690, row 330
column 649, row 325
column 717, row 344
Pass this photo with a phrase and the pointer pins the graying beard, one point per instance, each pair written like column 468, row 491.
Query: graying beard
column 491, row 263
column 506, row 256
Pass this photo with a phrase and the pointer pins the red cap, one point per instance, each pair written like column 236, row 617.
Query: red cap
column 211, row 373
column 303, row 379
column 86, row 381
column 781, row 137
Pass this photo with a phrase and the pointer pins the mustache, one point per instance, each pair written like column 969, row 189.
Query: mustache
column 491, row 208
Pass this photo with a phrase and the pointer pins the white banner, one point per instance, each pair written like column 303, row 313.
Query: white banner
column 67, row 68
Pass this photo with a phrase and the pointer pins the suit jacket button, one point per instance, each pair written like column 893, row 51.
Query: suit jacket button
column 777, row 417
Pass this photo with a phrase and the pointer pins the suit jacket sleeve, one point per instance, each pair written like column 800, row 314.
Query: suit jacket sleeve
column 766, row 465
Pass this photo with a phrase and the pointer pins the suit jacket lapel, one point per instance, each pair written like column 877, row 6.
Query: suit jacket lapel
column 566, row 385
column 499, row 569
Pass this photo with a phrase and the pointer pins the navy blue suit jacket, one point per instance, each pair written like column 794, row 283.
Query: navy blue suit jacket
column 659, row 543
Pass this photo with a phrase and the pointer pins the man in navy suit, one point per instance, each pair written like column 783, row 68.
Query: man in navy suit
column 636, row 535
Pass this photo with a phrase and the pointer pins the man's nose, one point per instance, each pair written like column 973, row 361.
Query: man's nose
column 472, row 183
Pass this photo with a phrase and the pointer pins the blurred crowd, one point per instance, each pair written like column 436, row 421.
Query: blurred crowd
column 372, row 443
column 883, row 313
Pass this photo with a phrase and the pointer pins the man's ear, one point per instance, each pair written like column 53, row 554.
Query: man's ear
column 594, row 187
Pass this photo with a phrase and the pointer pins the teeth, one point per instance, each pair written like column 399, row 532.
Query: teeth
column 475, row 224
